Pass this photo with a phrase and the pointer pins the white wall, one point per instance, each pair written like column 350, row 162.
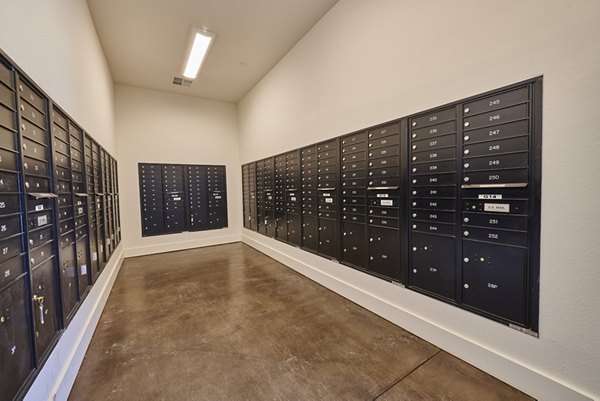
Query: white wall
column 369, row 62
column 156, row 127
column 55, row 43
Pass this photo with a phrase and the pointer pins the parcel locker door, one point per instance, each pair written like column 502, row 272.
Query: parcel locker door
column 294, row 229
column 94, row 267
column 15, row 347
column 329, row 238
column 433, row 264
column 68, row 279
column 355, row 245
column 310, row 233
column 281, row 228
column 384, row 252
column 83, row 266
column 271, row 224
column 495, row 280
column 44, row 306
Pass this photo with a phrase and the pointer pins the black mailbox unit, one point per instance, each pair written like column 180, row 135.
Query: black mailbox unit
column 355, row 245
column 279, row 198
column 445, row 202
column 249, row 195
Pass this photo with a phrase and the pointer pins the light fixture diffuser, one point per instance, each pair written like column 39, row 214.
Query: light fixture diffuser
column 201, row 42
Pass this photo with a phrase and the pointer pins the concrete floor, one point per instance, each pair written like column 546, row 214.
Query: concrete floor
column 229, row 323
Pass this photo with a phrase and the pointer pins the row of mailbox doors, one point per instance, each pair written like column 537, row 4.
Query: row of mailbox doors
column 491, row 265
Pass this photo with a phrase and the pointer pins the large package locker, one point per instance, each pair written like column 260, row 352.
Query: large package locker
column 384, row 201
column 328, row 198
column 279, row 196
column 216, row 183
column 355, row 247
column 293, row 198
column 310, row 205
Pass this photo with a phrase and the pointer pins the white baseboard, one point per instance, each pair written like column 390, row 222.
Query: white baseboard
column 56, row 378
column 181, row 245
column 531, row 382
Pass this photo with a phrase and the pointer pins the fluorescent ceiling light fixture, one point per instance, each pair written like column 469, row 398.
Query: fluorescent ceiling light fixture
column 201, row 41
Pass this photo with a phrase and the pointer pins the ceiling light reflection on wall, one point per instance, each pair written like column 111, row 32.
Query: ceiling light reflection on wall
column 201, row 42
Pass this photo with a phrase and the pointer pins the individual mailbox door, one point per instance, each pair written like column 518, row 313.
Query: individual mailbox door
column 15, row 346
column 385, row 255
column 355, row 245
column 44, row 306
column 495, row 280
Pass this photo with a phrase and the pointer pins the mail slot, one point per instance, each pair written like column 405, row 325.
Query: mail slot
column 327, row 170
column 33, row 132
column 495, row 279
column 392, row 140
column 327, row 184
column 512, row 160
column 7, row 139
column 61, row 160
column 384, row 152
column 60, row 146
column 496, row 132
column 434, row 203
column 433, row 228
column 354, row 148
column 32, row 97
column 433, row 216
column 359, row 165
column 384, row 182
column 327, row 146
column 79, row 221
column 349, row 175
column 41, row 253
column 497, row 177
column 384, row 202
column 38, row 237
column 75, row 142
column 76, row 165
column 505, row 206
column 36, row 205
column 511, row 145
column 329, row 154
column 327, row 214
column 434, row 179
column 433, row 143
column 442, row 192
column 62, row 173
column 328, row 207
column 358, row 183
column 10, row 247
column 76, row 154
column 328, row 177
column 354, row 192
column 60, row 133
column 327, row 162
column 11, row 269
column 385, row 172
column 433, row 118
column 16, row 354
column 434, row 155
column 353, row 157
column 497, row 101
column 389, row 212
column 33, row 149
column 61, row 186
column 497, row 116
column 495, row 220
column 77, row 177
column 431, row 168
column 354, row 218
column 35, row 167
column 7, row 117
column 355, row 138
column 392, row 161
column 354, row 209
column 433, row 264
column 66, row 212
column 8, row 160
column 6, row 77
column 35, row 220
column 7, row 97
column 383, row 131
column 508, row 237
column 67, row 239
column 327, row 198
column 66, row 226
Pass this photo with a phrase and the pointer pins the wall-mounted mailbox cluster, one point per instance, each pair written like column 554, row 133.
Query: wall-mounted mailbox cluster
column 59, row 224
column 444, row 202
column 181, row 197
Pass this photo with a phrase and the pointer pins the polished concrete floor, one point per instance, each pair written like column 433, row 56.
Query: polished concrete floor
column 229, row 323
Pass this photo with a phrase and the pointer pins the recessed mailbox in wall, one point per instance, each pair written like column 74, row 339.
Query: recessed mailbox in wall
column 445, row 202
column 181, row 197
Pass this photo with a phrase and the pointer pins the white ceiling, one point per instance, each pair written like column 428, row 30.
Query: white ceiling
column 144, row 41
